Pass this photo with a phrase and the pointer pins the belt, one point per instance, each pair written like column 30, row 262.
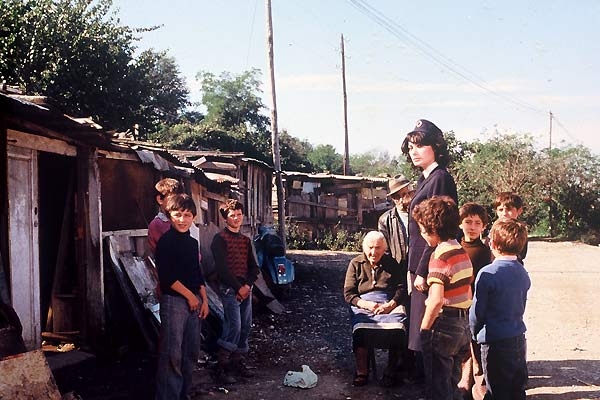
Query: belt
column 455, row 312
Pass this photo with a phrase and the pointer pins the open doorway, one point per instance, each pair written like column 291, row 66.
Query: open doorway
column 60, row 297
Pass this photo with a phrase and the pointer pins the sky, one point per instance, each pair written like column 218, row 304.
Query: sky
column 473, row 67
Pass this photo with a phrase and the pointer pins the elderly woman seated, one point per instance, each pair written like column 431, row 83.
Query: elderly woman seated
column 375, row 288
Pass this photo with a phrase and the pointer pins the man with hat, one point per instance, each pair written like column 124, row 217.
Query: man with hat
column 394, row 230
column 390, row 222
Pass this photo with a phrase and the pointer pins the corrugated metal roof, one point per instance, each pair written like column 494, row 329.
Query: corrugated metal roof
column 325, row 176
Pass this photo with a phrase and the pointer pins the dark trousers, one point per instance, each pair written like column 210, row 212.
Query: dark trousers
column 505, row 368
column 445, row 347
column 178, row 348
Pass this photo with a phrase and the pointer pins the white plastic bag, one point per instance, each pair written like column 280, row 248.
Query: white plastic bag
column 306, row 379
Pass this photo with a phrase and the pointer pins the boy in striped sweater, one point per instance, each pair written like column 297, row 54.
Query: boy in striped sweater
column 445, row 335
column 237, row 270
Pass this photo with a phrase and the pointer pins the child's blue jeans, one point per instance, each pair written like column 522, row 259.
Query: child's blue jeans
column 445, row 346
column 505, row 368
column 178, row 348
column 238, row 321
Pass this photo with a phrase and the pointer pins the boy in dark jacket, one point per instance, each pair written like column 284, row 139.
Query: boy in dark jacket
column 496, row 316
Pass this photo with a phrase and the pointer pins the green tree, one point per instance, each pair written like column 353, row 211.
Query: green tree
column 163, row 90
column 233, row 104
column 503, row 163
column 78, row 53
column 374, row 163
column 324, row 158
column 294, row 153
column 572, row 180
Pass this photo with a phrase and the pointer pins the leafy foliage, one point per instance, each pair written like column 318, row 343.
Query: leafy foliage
column 340, row 240
column 564, row 184
column 324, row 158
column 373, row 163
column 77, row 53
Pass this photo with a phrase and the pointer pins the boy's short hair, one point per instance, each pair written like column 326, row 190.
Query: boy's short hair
column 509, row 236
column 166, row 186
column 438, row 215
column 179, row 202
column 230, row 205
column 469, row 209
column 508, row 199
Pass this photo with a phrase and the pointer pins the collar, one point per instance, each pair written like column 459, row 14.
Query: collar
column 507, row 258
column 366, row 261
column 427, row 171
column 162, row 216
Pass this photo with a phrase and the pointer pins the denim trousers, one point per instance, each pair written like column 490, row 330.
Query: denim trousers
column 505, row 368
column 445, row 347
column 238, row 321
column 178, row 348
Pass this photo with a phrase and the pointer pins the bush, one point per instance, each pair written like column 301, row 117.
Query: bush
column 341, row 240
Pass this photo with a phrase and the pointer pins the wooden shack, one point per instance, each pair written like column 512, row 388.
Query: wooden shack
column 65, row 184
column 251, row 182
column 319, row 203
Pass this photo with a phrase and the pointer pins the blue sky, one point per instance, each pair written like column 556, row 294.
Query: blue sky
column 473, row 67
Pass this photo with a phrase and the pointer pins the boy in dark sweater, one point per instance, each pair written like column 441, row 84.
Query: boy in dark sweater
column 183, row 302
column 496, row 316
column 510, row 205
column 473, row 220
column 237, row 270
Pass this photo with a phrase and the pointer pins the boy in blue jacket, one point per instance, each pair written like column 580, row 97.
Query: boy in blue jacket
column 496, row 316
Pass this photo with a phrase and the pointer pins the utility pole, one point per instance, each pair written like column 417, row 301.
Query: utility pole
column 346, row 155
column 274, row 131
column 550, row 211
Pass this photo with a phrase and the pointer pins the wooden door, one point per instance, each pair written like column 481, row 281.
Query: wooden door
column 23, row 241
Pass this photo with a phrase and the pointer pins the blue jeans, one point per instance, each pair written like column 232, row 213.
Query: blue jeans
column 178, row 348
column 445, row 346
column 505, row 368
column 237, row 321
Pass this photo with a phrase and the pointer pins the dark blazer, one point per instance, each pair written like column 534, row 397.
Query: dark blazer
column 438, row 183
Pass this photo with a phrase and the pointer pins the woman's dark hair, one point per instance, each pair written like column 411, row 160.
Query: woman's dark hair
column 433, row 139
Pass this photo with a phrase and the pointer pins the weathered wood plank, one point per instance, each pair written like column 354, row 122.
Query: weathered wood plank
column 27, row 376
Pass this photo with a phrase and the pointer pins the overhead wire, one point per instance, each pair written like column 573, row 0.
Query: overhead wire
column 431, row 53
column 569, row 134
column 251, row 33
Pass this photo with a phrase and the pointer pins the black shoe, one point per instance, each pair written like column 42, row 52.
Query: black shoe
column 242, row 370
column 222, row 376
column 360, row 380
column 388, row 381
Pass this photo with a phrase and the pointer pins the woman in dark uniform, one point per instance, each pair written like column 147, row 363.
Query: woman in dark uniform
column 426, row 148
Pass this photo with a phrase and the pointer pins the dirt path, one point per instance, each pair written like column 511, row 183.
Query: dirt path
column 563, row 335
column 563, row 320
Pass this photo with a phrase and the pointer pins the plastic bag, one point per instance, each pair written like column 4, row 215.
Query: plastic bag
column 306, row 379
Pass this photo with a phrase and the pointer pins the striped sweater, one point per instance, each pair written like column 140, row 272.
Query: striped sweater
column 450, row 266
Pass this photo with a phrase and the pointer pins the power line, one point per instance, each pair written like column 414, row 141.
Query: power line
column 569, row 134
column 431, row 53
column 251, row 33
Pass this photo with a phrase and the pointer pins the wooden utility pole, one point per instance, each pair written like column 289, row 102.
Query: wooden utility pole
column 550, row 211
column 346, row 151
column 274, row 131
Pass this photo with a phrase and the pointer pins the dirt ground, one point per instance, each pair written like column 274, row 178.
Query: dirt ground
column 562, row 317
